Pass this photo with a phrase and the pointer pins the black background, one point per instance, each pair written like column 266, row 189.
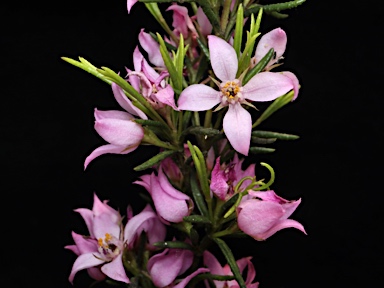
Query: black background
column 47, row 131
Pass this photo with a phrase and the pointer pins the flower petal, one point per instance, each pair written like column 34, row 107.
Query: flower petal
column 130, row 3
column 267, row 86
column 219, row 184
column 152, row 48
column 106, row 224
column 186, row 280
column 115, row 269
column 105, row 149
column 84, row 261
column 223, row 58
column 125, row 103
column 276, row 39
column 237, row 124
column 198, row 97
column 112, row 114
column 166, row 96
column 295, row 83
column 255, row 217
column 287, row 223
column 202, row 20
column 120, row 132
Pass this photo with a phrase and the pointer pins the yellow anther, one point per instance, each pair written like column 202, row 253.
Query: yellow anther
column 108, row 237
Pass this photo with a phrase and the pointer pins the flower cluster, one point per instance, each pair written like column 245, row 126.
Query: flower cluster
column 191, row 93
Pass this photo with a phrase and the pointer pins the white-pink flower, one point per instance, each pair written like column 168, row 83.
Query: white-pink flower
column 237, row 122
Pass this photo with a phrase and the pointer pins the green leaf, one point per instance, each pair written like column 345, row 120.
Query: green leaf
column 173, row 245
column 275, row 105
column 203, row 48
column 259, row 140
column 259, row 66
column 177, row 83
column 154, row 160
column 238, row 30
column 278, row 15
column 231, row 261
column 199, row 130
column 197, row 219
column 273, row 7
column 197, row 196
column 87, row 66
column 274, row 135
column 261, row 150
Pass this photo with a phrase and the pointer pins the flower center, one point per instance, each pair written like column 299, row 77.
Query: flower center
column 110, row 246
column 231, row 91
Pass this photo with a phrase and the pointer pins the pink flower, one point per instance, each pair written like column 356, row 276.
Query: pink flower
column 175, row 262
column 237, row 122
column 146, row 221
column 171, row 204
column 101, row 253
column 215, row 268
column 266, row 213
column 150, row 84
column 119, row 130
column 225, row 177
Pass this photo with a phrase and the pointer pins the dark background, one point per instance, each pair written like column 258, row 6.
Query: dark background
column 47, row 131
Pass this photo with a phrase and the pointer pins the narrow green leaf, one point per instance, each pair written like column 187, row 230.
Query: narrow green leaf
column 88, row 67
column 238, row 30
column 231, row 261
column 261, row 150
column 203, row 48
column 259, row 66
column 204, row 174
column 274, row 135
column 277, row 15
column 228, row 204
column 273, row 7
column 154, row 160
column 197, row 196
column 259, row 140
column 246, row 55
column 151, row 123
column 197, row 219
column 275, row 105
column 169, row 64
column 199, row 130
column 173, row 244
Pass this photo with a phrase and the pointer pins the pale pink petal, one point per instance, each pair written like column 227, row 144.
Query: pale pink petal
column 171, row 261
column 115, row 270
column 290, row 207
column 267, row 86
column 186, row 280
column 105, row 149
column 295, row 82
column 219, row 184
column 112, row 114
column 202, row 20
column 287, row 223
column 137, row 59
column 145, row 181
column 169, row 189
column 130, row 3
column 223, row 58
column 152, row 48
column 198, row 97
column 120, row 132
column 106, row 223
column 125, row 103
column 84, row 244
column 149, row 72
column 145, row 84
column 214, row 267
column 237, row 124
column 88, row 218
column 181, row 20
column 276, row 39
column 255, row 216
column 168, row 207
column 148, row 222
column 95, row 273
column 99, row 207
column 84, row 261
column 166, row 96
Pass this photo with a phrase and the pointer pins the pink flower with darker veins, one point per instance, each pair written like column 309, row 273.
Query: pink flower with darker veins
column 237, row 122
